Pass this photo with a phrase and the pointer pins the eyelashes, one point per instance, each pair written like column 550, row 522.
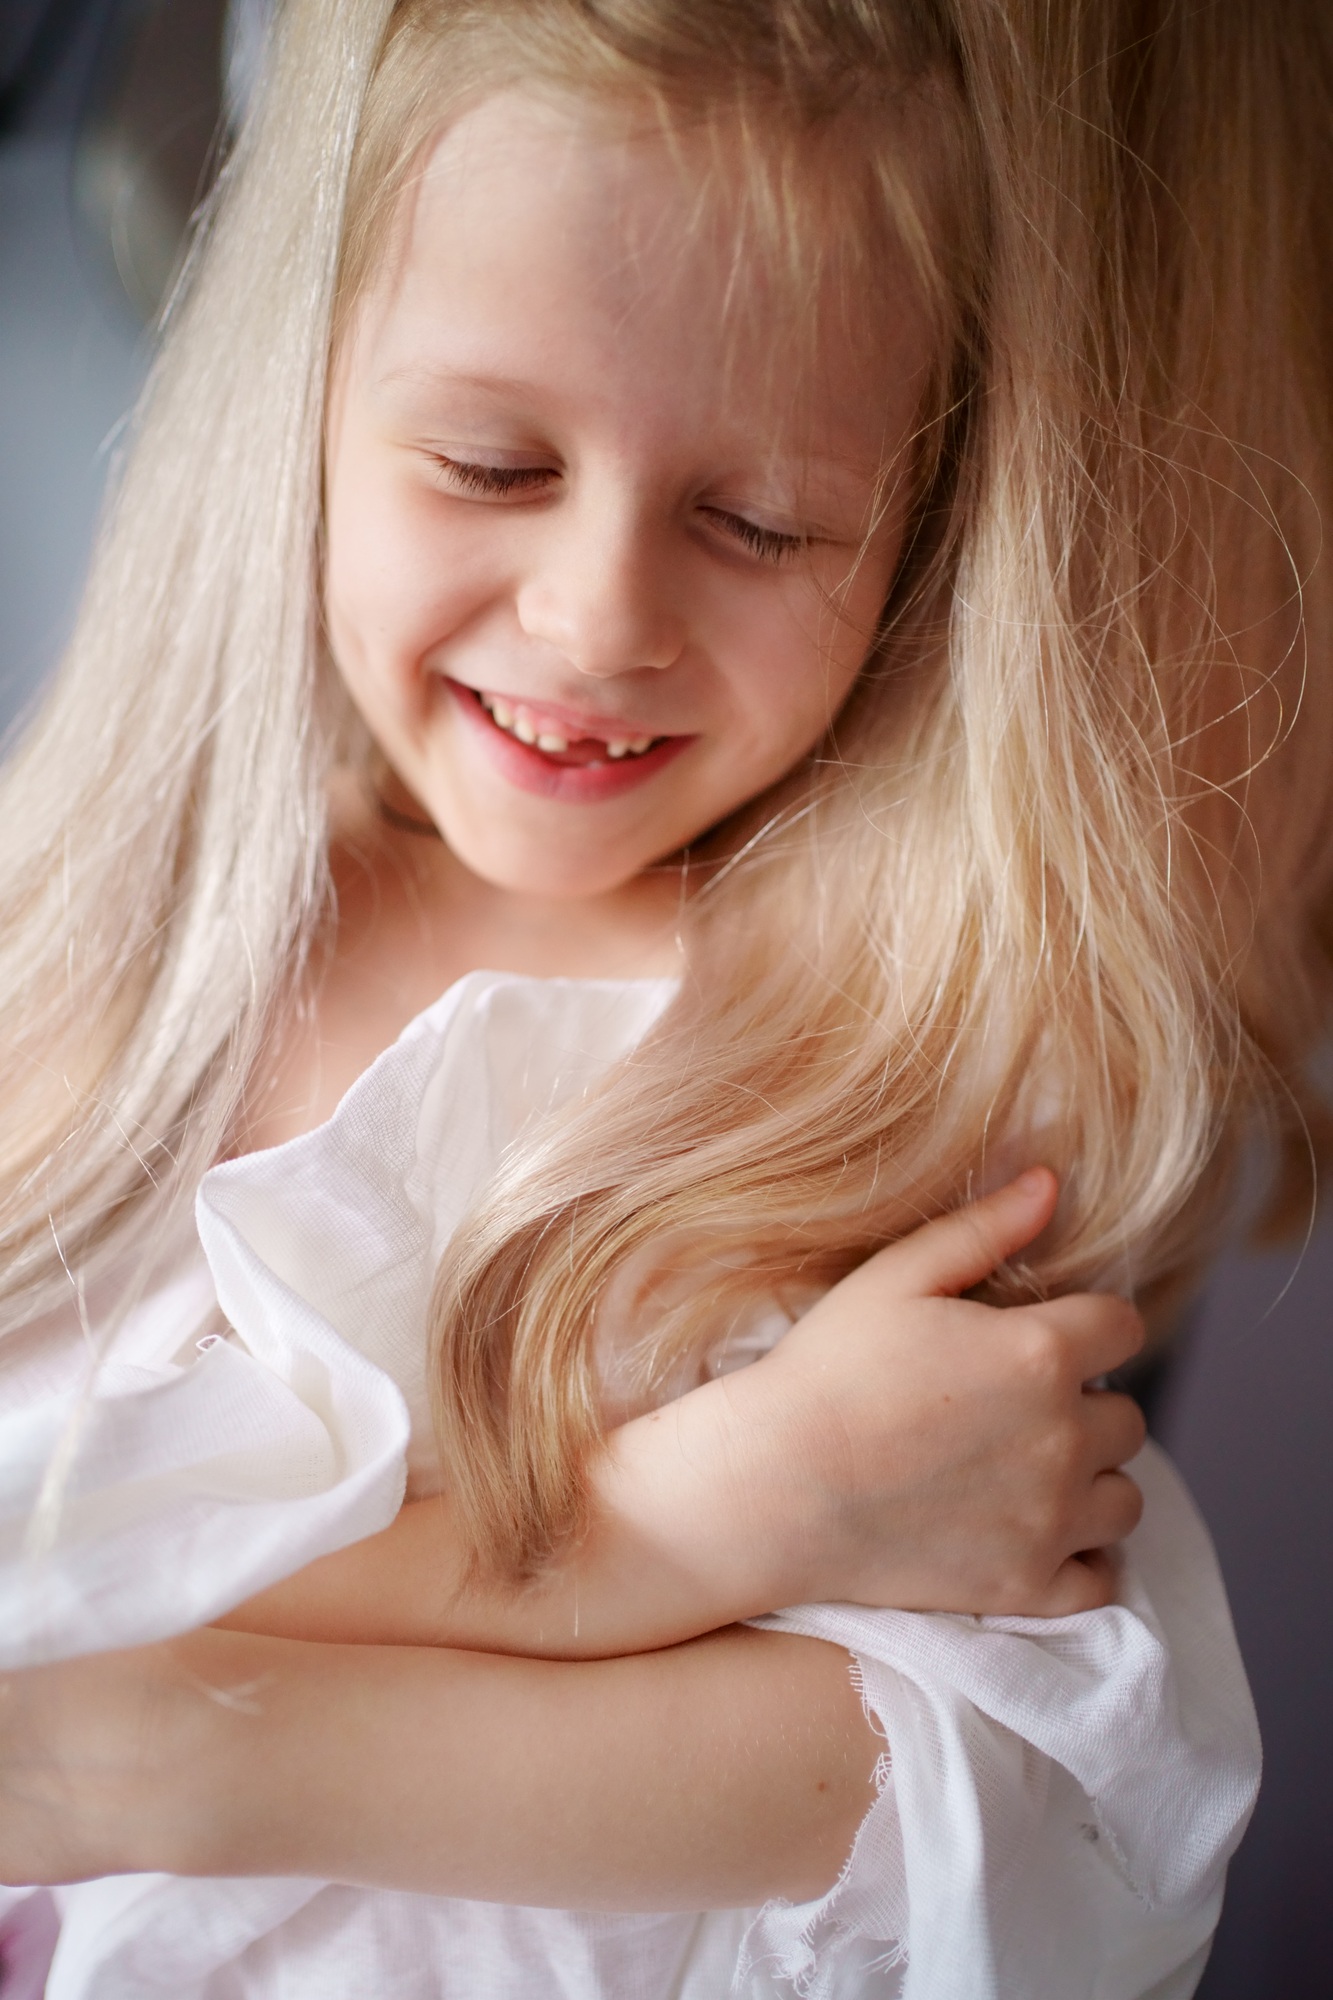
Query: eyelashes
column 495, row 482
column 492, row 479
column 767, row 543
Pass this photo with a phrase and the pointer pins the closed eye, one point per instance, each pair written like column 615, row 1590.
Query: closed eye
column 492, row 481
column 769, row 544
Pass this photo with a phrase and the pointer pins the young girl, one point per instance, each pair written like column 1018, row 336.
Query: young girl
column 763, row 550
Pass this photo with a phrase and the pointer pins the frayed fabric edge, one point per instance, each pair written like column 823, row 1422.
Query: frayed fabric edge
column 781, row 1961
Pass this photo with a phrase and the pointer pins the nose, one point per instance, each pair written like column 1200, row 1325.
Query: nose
column 598, row 592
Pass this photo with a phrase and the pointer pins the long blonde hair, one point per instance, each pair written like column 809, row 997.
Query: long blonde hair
column 1060, row 863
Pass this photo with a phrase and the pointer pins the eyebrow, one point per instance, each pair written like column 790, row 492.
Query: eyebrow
column 423, row 376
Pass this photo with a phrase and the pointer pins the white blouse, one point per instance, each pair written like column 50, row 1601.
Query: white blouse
column 1057, row 1800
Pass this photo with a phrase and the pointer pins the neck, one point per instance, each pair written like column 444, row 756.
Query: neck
column 410, row 920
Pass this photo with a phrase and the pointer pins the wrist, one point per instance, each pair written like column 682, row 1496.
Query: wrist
column 706, row 1484
column 791, row 1510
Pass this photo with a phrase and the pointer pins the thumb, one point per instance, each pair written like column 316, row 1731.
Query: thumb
column 958, row 1250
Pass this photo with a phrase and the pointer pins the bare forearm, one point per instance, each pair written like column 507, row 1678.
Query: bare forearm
column 900, row 1447
column 409, row 1587
column 712, row 1775
column 661, row 1562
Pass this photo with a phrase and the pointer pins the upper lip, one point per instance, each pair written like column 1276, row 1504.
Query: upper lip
column 574, row 721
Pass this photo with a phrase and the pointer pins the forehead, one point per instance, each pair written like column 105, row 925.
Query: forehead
column 602, row 252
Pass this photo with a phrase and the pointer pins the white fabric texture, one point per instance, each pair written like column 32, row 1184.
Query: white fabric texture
column 1059, row 1797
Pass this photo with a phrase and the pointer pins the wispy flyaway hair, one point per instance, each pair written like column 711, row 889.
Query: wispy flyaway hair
column 1056, row 877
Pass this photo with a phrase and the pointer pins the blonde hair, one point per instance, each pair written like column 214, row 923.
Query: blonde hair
column 1045, row 874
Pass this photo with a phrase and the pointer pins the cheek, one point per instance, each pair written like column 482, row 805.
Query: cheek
column 800, row 663
column 391, row 589
column 840, row 622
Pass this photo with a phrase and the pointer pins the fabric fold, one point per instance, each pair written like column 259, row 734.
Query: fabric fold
column 1057, row 1798
column 1105, row 1763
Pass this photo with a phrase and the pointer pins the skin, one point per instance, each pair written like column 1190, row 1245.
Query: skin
column 537, row 487
column 772, row 1487
column 632, row 550
column 712, row 1773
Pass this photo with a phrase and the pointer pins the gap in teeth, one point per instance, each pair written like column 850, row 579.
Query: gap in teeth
column 518, row 722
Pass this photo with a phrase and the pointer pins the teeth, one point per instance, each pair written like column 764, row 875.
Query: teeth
column 519, row 722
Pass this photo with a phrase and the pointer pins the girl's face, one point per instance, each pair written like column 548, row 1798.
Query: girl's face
column 597, row 571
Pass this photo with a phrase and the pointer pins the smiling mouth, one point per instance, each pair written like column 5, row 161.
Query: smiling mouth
column 555, row 740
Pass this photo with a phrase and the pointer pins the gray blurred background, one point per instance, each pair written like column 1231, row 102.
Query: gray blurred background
column 111, row 113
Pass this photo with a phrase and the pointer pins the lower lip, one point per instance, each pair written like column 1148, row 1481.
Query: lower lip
column 574, row 784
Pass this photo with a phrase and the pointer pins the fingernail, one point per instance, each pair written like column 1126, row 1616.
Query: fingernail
column 1032, row 1181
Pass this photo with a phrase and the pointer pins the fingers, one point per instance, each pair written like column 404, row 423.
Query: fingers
column 958, row 1250
column 1098, row 1330
column 1084, row 1583
column 1113, row 1510
column 1115, row 1427
column 1089, row 1579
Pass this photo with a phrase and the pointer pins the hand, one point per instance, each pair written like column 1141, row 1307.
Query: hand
column 938, row 1454
column 899, row 1447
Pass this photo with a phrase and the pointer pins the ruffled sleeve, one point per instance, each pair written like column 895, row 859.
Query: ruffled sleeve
column 1057, row 1798
column 267, row 1405
column 141, row 1497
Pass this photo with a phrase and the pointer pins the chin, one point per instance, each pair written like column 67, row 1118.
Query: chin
column 539, row 873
